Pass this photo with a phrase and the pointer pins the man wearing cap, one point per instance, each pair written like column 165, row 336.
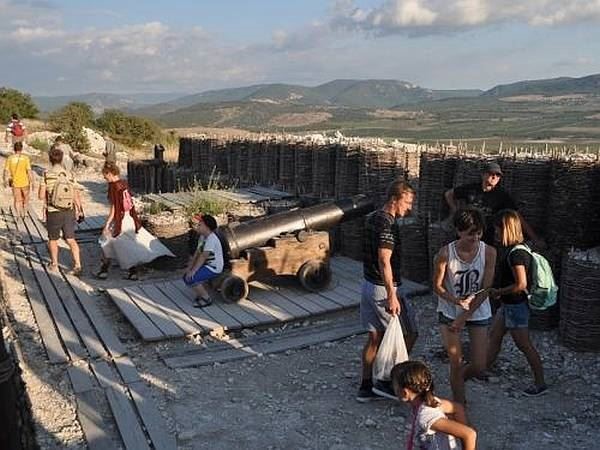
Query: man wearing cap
column 489, row 197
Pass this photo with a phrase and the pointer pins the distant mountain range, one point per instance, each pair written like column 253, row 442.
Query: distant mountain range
column 548, row 87
column 340, row 93
column 101, row 101
column 537, row 109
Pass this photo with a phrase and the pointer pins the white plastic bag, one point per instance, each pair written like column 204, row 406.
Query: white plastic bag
column 130, row 248
column 392, row 351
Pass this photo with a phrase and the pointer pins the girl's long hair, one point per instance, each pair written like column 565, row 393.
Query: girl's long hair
column 416, row 376
column 508, row 222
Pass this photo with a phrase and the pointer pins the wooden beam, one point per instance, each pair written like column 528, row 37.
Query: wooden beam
column 144, row 326
column 101, row 325
column 122, row 409
column 52, row 342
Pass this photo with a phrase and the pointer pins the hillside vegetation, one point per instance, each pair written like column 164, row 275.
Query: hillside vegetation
column 560, row 108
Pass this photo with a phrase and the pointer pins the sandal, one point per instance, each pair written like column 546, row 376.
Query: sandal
column 76, row 271
column 200, row 302
column 132, row 275
column 102, row 274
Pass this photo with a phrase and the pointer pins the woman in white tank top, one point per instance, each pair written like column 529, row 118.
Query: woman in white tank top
column 463, row 274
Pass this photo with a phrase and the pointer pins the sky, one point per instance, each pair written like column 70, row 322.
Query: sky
column 65, row 47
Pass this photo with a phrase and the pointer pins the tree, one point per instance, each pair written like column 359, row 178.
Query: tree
column 130, row 130
column 70, row 120
column 13, row 101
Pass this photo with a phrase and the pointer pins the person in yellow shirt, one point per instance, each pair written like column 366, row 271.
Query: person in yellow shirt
column 19, row 176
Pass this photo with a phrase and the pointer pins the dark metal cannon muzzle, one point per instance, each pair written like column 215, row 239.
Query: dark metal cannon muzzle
column 258, row 232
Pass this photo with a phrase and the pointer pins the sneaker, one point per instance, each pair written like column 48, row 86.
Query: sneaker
column 384, row 389
column 366, row 394
column 535, row 391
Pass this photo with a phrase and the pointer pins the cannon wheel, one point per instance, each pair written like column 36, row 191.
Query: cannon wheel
column 234, row 288
column 314, row 275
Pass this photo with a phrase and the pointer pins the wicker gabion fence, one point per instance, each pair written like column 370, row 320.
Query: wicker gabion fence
column 580, row 300
column 413, row 241
column 557, row 194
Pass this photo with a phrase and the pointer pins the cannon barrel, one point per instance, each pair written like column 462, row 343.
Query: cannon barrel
column 258, row 232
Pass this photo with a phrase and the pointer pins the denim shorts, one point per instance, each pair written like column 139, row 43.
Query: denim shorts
column 515, row 316
column 443, row 320
column 373, row 315
column 202, row 274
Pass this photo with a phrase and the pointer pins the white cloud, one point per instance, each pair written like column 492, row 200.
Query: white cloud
column 414, row 17
column 148, row 56
column 24, row 34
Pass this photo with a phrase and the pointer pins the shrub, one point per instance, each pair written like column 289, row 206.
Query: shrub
column 70, row 121
column 130, row 130
column 205, row 203
column 13, row 101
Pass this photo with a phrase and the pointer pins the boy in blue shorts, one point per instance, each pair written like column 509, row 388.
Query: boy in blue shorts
column 207, row 261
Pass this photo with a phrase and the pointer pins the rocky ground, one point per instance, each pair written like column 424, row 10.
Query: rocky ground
column 305, row 399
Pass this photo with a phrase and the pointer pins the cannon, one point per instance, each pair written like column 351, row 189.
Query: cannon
column 293, row 242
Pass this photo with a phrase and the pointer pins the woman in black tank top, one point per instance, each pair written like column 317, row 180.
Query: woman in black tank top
column 513, row 315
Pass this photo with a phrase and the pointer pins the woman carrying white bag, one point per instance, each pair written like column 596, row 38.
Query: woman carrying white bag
column 123, row 237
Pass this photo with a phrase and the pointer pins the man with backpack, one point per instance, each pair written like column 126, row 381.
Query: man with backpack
column 62, row 203
column 15, row 130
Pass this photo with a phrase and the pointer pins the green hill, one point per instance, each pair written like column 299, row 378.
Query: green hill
column 549, row 87
column 101, row 101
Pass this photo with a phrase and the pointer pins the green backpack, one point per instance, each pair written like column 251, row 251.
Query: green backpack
column 543, row 292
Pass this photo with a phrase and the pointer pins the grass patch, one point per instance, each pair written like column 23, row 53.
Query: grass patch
column 155, row 208
column 206, row 202
column 40, row 144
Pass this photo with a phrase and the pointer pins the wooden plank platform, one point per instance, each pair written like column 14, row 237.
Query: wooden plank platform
column 163, row 309
column 251, row 195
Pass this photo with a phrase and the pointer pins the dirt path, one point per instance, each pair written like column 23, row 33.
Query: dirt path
column 305, row 399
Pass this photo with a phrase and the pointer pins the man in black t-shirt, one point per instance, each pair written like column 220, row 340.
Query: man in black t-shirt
column 382, row 296
column 489, row 197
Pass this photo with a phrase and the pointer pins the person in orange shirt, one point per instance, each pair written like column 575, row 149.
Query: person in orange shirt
column 19, row 176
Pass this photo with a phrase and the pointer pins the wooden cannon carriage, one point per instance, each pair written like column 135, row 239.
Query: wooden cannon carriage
column 288, row 243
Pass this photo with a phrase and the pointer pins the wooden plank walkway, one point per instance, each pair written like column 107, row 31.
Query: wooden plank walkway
column 75, row 333
column 32, row 230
